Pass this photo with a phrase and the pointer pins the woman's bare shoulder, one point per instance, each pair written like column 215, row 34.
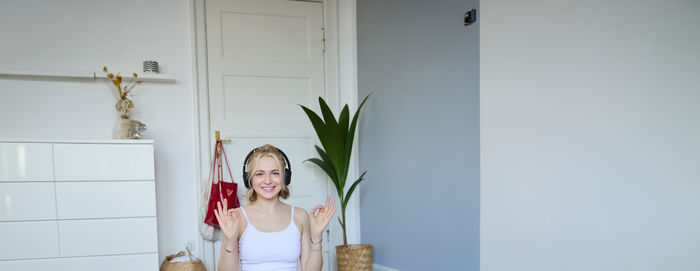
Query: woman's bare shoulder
column 300, row 213
column 301, row 216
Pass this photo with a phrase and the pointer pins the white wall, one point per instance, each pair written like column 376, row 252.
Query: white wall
column 590, row 129
column 85, row 35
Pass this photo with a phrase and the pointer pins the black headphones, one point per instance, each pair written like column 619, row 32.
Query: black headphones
column 287, row 169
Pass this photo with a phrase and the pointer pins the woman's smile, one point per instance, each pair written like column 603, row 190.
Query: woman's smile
column 268, row 188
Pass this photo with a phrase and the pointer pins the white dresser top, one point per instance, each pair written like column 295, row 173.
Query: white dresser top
column 82, row 141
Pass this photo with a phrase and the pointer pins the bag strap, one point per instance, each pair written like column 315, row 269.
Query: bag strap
column 227, row 165
column 219, row 170
column 221, row 177
column 214, row 163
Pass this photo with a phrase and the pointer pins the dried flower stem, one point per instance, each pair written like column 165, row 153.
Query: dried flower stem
column 124, row 104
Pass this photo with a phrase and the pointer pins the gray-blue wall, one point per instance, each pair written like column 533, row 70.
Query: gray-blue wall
column 419, row 133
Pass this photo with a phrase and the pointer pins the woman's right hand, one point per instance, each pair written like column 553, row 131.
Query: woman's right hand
column 229, row 220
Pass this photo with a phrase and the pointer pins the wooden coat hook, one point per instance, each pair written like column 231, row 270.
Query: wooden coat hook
column 218, row 137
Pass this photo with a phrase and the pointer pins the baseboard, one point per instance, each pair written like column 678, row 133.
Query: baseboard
column 379, row 267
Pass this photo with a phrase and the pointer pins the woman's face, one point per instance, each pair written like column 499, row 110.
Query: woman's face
column 267, row 178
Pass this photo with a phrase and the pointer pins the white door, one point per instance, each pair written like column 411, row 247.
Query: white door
column 265, row 58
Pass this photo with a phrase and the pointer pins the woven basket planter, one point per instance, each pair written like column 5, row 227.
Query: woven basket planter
column 354, row 257
column 191, row 265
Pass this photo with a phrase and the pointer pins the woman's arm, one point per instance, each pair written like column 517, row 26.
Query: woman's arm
column 311, row 256
column 228, row 259
column 230, row 223
column 312, row 232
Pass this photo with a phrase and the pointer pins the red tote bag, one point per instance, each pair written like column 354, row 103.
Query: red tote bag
column 220, row 189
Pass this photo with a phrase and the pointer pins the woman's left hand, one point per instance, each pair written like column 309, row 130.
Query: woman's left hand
column 320, row 217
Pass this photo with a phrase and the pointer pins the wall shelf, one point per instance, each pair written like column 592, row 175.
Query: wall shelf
column 158, row 78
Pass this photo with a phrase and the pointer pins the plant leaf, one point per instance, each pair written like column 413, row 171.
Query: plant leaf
column 334, row 176
column 325, row 133
column 327, row 160
column 328, row 116
column 352, row 189
column 343, row 128
column 326, row 168
column 351, row 133
column 343, row 121
column 318, row 124
column 336, row 145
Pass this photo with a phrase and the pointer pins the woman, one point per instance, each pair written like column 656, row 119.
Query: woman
column 268, row 234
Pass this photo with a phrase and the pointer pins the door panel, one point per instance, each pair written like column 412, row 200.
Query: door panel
column 250, row 101
column 285, row 37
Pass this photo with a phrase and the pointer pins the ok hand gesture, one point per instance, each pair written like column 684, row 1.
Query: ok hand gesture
column 321, row 216
column 229, row 220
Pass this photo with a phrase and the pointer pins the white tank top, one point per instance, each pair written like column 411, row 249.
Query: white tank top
column 278, row 251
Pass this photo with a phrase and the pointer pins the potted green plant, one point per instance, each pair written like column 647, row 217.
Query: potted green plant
column 337, row 136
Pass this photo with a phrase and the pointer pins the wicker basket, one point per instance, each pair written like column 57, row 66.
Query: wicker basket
column 354, row 257
column 191, row 265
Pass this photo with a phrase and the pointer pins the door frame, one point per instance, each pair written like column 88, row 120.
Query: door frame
column 341, row 73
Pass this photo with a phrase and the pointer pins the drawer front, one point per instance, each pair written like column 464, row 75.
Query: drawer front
column 140, row 262
column 105, row 199
column 27, row 201
column 26, row 162
column 108, row 236
column 103, row 162
column 28, row 240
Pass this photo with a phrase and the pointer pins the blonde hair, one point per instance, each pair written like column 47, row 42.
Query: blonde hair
column 266, row 150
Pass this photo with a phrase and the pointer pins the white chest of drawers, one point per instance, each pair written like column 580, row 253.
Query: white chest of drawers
column 77, row 205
